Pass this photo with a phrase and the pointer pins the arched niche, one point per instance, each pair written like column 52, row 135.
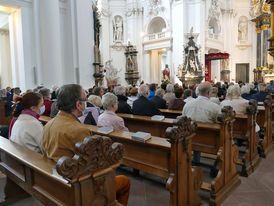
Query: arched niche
column 156, row 25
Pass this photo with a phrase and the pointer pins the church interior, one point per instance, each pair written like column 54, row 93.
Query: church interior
column 136, row 102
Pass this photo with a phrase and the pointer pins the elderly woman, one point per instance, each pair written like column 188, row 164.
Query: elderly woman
column 91, row 113
column 27, row 130
column 169, row 95
column 123, row 106
column 214, row 96
column 245, row 90
column 96, row 100
column 109, row 118
column 234, row 99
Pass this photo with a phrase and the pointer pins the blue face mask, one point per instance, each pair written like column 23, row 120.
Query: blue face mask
column 42, row 109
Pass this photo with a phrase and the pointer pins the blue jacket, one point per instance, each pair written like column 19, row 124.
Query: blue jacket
column 260, row 96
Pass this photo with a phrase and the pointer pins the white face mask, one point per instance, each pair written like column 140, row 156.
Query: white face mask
column 42, row 109
column 84, row 111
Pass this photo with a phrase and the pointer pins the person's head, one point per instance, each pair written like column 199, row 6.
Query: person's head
column 188, row 93
column 3, row 93
column 233, row 92
column 134, row 91
column 205, row 89
column 120, row 90
column 245, row 89
column 261, row 87
column 271, row 82
column 98, row 91
column 45, row 93
column 32, row 100
column 110, row 102
column 143, row 91
column 214, row 91
column 17, row 91
column 152, row 87
column 163, row 86
column 96, row 100
column 8, row 89
column 72, row 99
column 179, row 92
column 169, row 88
column 160, row 92
column 251, row 86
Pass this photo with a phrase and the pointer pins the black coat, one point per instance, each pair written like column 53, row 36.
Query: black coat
column 123, row 106
column 142, row 106
column 159, row 102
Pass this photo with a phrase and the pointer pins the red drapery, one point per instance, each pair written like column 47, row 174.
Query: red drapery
column 208, row 59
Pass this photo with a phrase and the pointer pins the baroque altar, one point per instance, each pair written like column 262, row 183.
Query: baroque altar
column 190, row 72
column 132, row 74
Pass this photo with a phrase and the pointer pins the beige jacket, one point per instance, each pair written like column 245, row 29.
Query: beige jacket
column 61, row 134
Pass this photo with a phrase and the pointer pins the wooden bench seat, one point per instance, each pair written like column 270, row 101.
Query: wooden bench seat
column 210, row 138
column 264, row 120
column 79, row 184
column 167, row 158
column 244, row 128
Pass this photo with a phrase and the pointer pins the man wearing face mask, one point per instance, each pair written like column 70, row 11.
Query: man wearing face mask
column 62, row 132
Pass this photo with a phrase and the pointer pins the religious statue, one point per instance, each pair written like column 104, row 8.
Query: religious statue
column 242, row 29
column 166, row 73
column 118, row 28
column 111, row 74
column 191, row 71
column 132, row 74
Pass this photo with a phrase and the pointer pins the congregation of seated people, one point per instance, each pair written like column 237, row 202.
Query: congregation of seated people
column 71, row 107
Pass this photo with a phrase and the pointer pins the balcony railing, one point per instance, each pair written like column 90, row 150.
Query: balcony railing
column 157, row 36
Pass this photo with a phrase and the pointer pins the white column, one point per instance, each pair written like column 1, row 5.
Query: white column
column 146, row 72
column 51, row 43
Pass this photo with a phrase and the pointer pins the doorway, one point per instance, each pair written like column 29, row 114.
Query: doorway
column 242, row 73
column 158, row 60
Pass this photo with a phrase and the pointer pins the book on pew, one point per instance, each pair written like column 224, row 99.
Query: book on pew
column 105, row 130
column 158, row 117
column 141, row 136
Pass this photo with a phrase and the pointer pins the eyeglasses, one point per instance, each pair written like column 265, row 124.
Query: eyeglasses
column 82, row 100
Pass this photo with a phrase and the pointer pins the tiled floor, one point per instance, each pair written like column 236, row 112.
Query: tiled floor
column 147, row 190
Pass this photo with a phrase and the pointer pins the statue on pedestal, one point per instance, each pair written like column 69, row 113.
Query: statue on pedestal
column 191, row 71
column 132, row 74
column 166, row 74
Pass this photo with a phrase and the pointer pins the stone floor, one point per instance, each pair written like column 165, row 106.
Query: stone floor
column 147, row 190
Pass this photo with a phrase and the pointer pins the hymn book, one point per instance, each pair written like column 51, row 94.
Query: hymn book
column 105, row 130
column 141, row 136
column 158, row 117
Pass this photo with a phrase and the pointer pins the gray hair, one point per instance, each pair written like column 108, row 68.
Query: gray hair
column 261, row 87
column 143, row 90
column 233, row 92
column 119, row 90
column 160, row 92
column 169, row 88
column 96, row 100
column 45, row 92
column 109, row 100
column 245, row 89
column 204, row 88
column 67, row 97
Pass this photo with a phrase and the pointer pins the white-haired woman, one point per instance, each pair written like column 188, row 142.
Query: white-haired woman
column 234, row 99
column 169, row 93
column 109, row 118
column 245, row 90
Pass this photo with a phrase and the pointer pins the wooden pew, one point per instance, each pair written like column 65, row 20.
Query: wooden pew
column 173, row 114
column 168, row 158
column 210, row 138
column 164, row 157
column 264, row 120
column 3, row 119
column 244, row 128
column 144, row 123
column 88, row 177
column 44, row 119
